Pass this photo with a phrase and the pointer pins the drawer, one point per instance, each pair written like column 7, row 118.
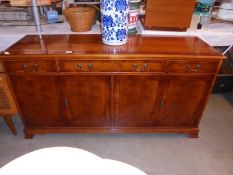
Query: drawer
column 88, row 66
column 142, row 66
column 192, row 67
column 112, row 66
column 30, row 66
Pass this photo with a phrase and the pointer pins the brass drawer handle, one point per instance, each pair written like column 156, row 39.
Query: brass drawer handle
column 25, row 67
column 79, row 66
column 135, row 67
column 90, row 67
column 198, row 66
column 146, row 66
column 35, row 67
column 190, row 68
column 32, row 68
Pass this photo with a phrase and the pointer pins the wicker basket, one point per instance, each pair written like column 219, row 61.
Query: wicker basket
column 29, row 2
column 80, row 18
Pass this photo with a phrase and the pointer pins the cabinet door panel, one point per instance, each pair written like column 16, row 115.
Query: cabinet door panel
column 38, row 98
column 136, row 100
column 88, row 100
column 185, row 100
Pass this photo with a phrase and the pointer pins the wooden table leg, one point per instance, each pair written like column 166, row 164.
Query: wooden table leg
column 10, row 124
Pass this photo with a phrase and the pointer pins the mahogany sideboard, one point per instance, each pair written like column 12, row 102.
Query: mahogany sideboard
column 76, row 84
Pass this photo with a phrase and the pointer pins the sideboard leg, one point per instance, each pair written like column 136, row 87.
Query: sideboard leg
column 194, row 134
column 28, row 135
column 10, row 124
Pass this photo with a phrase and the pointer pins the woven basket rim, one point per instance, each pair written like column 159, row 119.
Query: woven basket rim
column 79, row 9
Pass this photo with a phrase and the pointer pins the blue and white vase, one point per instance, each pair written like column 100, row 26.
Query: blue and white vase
column 114, row 16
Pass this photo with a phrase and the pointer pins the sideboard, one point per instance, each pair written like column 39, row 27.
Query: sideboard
column 76, row 84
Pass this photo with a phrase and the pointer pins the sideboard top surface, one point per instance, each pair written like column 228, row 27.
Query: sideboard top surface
column 156, row 46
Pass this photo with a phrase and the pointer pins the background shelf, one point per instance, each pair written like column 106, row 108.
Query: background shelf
column 43, row 21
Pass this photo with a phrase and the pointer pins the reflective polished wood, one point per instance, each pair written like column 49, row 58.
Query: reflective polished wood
column 76, row 84
column 92, row 44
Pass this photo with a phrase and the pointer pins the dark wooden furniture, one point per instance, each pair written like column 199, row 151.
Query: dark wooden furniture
column 7, row 104
column 224, row 81
column 74, row 83
column 168, row 15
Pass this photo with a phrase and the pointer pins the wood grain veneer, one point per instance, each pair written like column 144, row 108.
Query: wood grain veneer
column 74, row 83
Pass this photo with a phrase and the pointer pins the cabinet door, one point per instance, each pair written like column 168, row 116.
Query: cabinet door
column 87, row 100
column 136, row 100
column 38, row 98
column 185, row 100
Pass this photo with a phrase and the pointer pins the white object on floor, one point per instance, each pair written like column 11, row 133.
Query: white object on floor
column 66, row 160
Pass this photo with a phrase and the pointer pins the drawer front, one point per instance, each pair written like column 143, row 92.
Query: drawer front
column 111, row 66
column 192, row 67
column 88, row 66
column 30, row 66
